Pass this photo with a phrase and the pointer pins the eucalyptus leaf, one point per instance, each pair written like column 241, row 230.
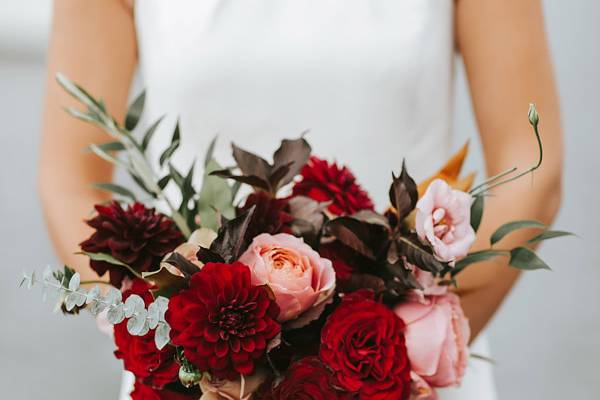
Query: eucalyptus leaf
column 134, row 304
column 510, row 227
column 116, row 189
column 135, row 324
column 153, row 316
column 92, row 295
column 113, row 296
column 477, row 212
column 96, row 307
column 525, row 259
column 135, row 111
column 74, row 282
column 115, row 314
column 549, row 235
column 74, row 299
column 161, row 335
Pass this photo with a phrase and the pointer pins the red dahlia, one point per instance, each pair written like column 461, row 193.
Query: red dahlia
column 137, row 236
column 270, row 216
column 143, row 392
column 139, row 353
column 308, row 378
column 222, row 321
column 363, row 343
column 322, row 181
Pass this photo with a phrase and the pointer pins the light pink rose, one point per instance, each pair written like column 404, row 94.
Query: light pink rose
column 444, row 220
column 303, row 282
column 437, row 337
column 200, row 237
column 240, row 389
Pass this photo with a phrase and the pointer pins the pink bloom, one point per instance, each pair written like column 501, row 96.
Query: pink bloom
column 437, row 337
column 302, row 281
column 240, row 389
column 444, row 220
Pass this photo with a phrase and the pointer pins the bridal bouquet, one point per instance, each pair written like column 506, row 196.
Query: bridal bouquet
column 297, row 290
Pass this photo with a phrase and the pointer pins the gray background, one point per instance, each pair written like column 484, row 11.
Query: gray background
column 545, row 339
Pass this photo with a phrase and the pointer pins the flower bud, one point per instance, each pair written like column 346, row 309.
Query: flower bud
column 189, row 376
column 534, row 117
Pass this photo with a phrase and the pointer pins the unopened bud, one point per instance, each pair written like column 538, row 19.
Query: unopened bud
column 534, row 117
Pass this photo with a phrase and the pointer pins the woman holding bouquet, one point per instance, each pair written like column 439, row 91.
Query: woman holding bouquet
column 372, row 80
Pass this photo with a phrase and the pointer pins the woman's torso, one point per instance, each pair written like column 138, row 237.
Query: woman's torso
column 370, row 79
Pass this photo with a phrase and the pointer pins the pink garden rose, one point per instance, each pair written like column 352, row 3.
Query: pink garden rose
column 430, row 284
column 303, row 282
column 240, row 389
column 437, row 338
column 444, row 220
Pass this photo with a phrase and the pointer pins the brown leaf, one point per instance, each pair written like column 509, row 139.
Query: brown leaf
column 250, row 164
column 294, row 153
column 403, row 193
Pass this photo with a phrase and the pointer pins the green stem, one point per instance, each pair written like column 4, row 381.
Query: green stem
column 95, row 282
column 493, row 179
column 529, row 170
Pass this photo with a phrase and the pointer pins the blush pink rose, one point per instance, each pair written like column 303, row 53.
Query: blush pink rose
column 437, row 338
column 428, row 282
column 303, row 282
column 444, row 220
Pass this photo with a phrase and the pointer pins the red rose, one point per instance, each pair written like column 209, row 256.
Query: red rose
column 322, row 182
column 144, row 392
column 139, row 353
column 222, row 321
column 307, row 378
column 270, row 216
column 137, row 236
column 363, row 343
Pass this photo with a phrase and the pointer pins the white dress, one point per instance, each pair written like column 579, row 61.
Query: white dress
column 371, row 80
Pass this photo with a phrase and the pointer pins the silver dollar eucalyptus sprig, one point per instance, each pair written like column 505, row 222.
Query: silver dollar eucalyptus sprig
column 140, row 320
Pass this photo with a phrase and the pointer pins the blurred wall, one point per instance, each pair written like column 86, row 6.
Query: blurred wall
column 544, row 340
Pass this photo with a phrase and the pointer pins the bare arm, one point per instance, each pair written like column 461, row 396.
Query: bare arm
column 506, row 56
column 92, row 43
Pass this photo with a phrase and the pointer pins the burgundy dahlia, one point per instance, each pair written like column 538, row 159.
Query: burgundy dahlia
column 270, row 216
column 139, row 353
column 137, row 236
column 323, row 182
column 363, row 344
column 222, row 321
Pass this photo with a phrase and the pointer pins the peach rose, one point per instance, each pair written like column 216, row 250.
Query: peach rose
column 303, row 282
column 444, row 220
column 241, row 389
column 437, row 337
column 200, row 237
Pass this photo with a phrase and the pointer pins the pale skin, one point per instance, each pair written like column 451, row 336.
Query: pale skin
column 508, row 65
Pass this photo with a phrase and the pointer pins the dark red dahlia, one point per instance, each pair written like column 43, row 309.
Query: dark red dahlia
column 137, row 236
column 306, row 379
column 139, row 353
column 322, row 181
column 363, row 343
column 144, row 392
column 270, row 216
column 222, row 321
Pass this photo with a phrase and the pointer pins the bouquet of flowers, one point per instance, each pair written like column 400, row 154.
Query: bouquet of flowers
column 298, row 290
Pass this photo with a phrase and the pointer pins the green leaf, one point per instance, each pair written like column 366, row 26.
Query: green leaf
column 107, row 157
column 549, row 235
column 209, row 153
column 525, row 259
column 79, row 93
column 117, row 189
column 150, row 132
column 477, row 212
column 135, row 111
column 215, row 194
column 82, row 115
column 419, row 254
column 109, row 259
column 111, row 146
column 164, row 181
column 476, row 257
column 513, row 226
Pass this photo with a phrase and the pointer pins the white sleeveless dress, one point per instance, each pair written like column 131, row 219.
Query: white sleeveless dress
column 370, row 79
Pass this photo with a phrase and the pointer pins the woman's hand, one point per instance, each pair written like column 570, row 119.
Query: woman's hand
column 508, row 65
column 92, row 43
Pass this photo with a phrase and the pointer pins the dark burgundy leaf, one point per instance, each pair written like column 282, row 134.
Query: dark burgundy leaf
column 403, row 193
column 278, row 174
column 294, row 152
column 251, row 180
column 205, row 256
column 365, row 238
column 250, row 164
column 229, row 243
column 182, row 264
column 419, row 254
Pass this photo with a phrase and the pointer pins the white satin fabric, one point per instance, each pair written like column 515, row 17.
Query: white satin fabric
column 371, row 80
